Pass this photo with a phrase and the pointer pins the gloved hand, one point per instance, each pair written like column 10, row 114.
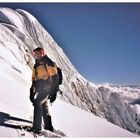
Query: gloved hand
column 52, row 98
column 32, row 94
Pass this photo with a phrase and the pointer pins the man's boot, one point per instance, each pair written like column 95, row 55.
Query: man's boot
column 48, row 123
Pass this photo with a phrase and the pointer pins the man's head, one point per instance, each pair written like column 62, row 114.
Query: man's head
column 39, row 53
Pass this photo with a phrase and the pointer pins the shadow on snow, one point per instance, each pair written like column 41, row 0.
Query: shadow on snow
column 7, row 120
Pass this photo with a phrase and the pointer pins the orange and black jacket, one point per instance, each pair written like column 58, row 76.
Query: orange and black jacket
column 43, row 69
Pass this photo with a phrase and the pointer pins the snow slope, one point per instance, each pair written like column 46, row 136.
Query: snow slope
column 74, row 122
column 79, row 123
column 20, row 31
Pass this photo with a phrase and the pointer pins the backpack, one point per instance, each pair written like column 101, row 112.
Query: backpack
column 59, row 72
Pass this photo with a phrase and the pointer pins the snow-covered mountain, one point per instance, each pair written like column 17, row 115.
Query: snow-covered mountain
column 19, row 32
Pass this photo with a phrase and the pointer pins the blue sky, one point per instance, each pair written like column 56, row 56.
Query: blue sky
column 102, row 40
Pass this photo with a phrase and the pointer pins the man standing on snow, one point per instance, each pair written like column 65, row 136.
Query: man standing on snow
column 44, row 88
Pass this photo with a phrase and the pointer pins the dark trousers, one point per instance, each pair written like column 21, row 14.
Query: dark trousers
column 41, row 108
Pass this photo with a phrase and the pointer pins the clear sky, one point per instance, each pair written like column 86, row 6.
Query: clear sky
column 102, row 40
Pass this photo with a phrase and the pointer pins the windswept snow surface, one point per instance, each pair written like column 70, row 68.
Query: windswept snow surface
column 20, row 31
column 79, row 123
